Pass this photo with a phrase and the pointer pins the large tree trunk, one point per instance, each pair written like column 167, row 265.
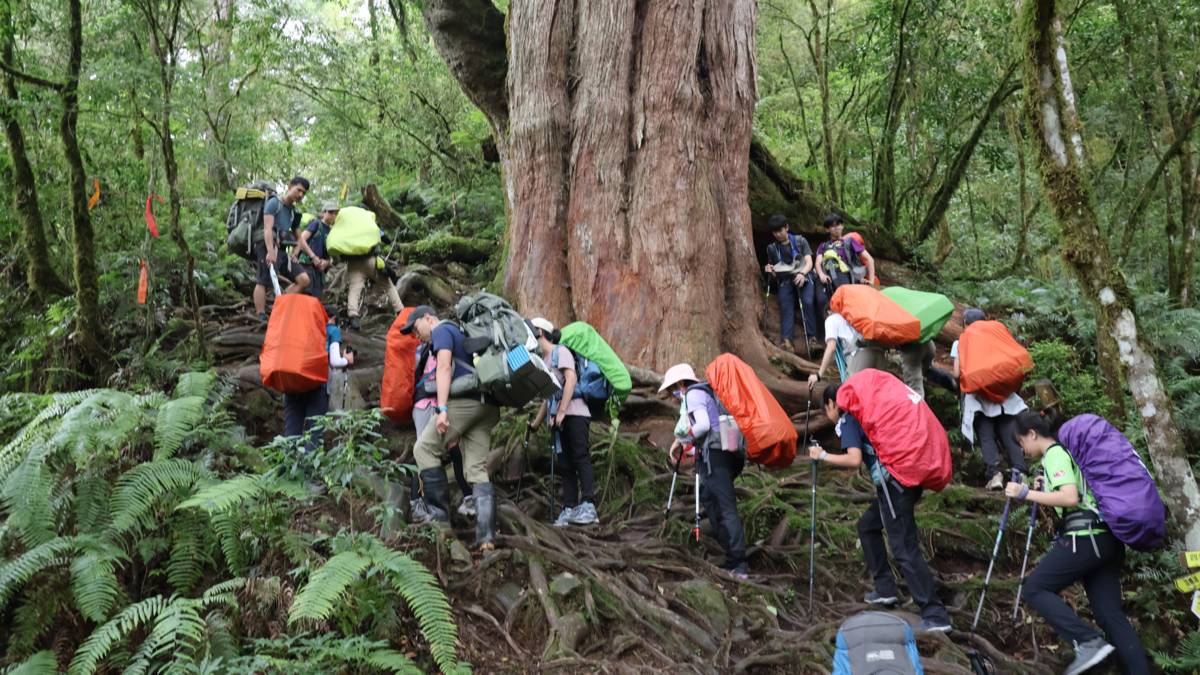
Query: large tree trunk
column 623, row 145
column 1055, row 122
column 43, row 281
column 87, row 291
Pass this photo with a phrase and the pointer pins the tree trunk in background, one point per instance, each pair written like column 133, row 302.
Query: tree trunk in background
column 43, row 281
column 1050, row 106
column 623, row 144
column 88, row 329
column 883, row 174
column 219, row 167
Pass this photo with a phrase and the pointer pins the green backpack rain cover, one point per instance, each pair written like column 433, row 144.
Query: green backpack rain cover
column 582, row 339
column 353, row 233
column 933, row 310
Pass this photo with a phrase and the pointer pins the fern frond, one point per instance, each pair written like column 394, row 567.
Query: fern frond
column 176, row 418
column 185, row 565
column 327, row 585
column 417, row 585
column 94, row 581
column 392, row 661
column 38, row 429
column 91, row 503
column 27, row 498
column 223, row 593
column 196, row 383
column 228, row 530
column 102, row 422
column 18, row 571
column 141, row 487
column 101, row 641
column 223, row 496
column 41, row 663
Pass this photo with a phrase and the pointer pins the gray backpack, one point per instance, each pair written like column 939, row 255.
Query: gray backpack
column 507, row 369
column 243, row 223
column 876, row 643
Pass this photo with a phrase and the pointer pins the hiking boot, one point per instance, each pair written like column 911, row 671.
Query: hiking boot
column 355, row 324
column 815, row 346
column 466, row 508
column 934, row 626
column 1089, row 655
column 874, row 598
column 418, row 513
column 584, row 514
column 485, row 516
column 564, row 518
column 997, row 482
column 437, row 494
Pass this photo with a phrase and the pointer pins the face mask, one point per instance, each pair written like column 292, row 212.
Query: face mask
column 678, row 393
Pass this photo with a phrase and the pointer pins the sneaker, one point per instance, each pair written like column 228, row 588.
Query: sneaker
column 564, row 518
column 467, row 507
column 1088, row 655
column 419, row 512
column 934, row 626
column 997, row 482
column 874, row 598
column 584, row 514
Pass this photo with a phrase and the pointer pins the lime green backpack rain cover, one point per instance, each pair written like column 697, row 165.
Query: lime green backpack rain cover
column 353, row 233
column 933, row 310
column 585, row 341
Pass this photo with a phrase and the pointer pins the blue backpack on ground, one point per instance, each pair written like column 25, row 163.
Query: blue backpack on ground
column 876, row 643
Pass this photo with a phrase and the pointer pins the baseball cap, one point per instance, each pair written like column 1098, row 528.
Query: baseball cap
column 420, row 312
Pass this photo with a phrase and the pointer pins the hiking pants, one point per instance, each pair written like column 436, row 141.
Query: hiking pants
column 421, row 418
column 471, row 423
column 915, row 357
column 1069, row 561
column 358, row 271
column 992, row 433
column 299, row 411
column 316, row 281
column 787, row 307
column 867, row 356
column 285, row 269
column 717, row 470
column 455, row 458
column 902, row 537
column 579, row 480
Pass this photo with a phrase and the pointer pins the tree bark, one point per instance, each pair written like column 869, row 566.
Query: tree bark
column 883, row 175
column 1050, row 107
column 88, row 329
column 43, row 281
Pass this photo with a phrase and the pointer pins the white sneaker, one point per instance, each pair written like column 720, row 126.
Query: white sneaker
column 585, row 514
column 997, row 482
column 564, row 518
column 467, row 507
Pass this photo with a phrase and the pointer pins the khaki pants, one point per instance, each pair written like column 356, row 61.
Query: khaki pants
column 471, row 424
column 866, row 357
column 358, row 271
column 915, row 358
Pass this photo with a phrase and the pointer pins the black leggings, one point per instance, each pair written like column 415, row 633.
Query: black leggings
column 579, row 480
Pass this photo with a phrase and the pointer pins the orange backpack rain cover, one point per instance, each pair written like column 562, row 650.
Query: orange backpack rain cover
column 875, row 315
column 992, row 363
column 770, row 435
column 294, row 357
column 399, row 371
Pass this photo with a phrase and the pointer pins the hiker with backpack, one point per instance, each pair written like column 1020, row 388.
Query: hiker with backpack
column 279, row 218
column 847, row 348
column 789, row 264
column 990, row 423
column 311, row 253
column 837, row 258
column 923, row 460
column 422, row 414
column 355, row 239
column 466, row 418
column 569, row 419
column 1086, row 548
column 340, row 358
column 716, row 468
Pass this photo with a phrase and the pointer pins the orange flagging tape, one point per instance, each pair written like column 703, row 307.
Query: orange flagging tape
column 153, row 226
column 95, row 198
column 143, row 283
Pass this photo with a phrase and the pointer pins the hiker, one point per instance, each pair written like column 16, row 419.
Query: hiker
column 359, row 270
column 279, row 218
column 467, row 419
column 340, row 358
column 846, row 346
column 897, row 519
column 916, row 365
column 716, row 469
column 1085, row 550
column 837, row 257
column 991, row 423
column 569, row 421
column 301, row 410
column 422, row 414
column 311, row 253
column 789, row 264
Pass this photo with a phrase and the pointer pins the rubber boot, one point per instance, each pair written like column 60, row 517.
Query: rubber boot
column 437, row 494
column 485, row 516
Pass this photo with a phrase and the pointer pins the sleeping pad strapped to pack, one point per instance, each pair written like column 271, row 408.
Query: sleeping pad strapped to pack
column 294, row 357
column 399, row 371
column 769, row 432
column 876, row 316
column 906, row 435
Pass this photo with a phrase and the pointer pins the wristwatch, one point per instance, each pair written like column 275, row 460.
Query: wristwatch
column 441, row 408
column 821, row 457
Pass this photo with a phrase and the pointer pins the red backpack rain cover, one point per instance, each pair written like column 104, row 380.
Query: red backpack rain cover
column 770, row 435
column 294, row 357
column 991, row 362
column 875, row 315
column 906, row 435
column 399, row 371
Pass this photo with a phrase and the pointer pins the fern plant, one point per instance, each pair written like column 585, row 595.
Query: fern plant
column 1186, row 658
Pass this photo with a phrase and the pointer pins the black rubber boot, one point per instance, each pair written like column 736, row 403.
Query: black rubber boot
column 437, row 494
column 485, row 516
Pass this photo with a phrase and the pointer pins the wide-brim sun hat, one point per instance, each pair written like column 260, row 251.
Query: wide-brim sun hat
column 680, row 372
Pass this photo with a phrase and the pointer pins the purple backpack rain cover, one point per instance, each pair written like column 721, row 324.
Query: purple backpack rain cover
column 1121, row 483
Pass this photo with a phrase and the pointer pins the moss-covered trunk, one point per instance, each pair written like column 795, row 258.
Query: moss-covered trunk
column 1050, row 106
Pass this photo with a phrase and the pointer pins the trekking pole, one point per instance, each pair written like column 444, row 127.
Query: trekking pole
column 804, row 325
column 674, row 478
column 696, row 527
column 992, row 563
column 553, row 452
column 1033, row 509
column 524, row 453
column 812, row 515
